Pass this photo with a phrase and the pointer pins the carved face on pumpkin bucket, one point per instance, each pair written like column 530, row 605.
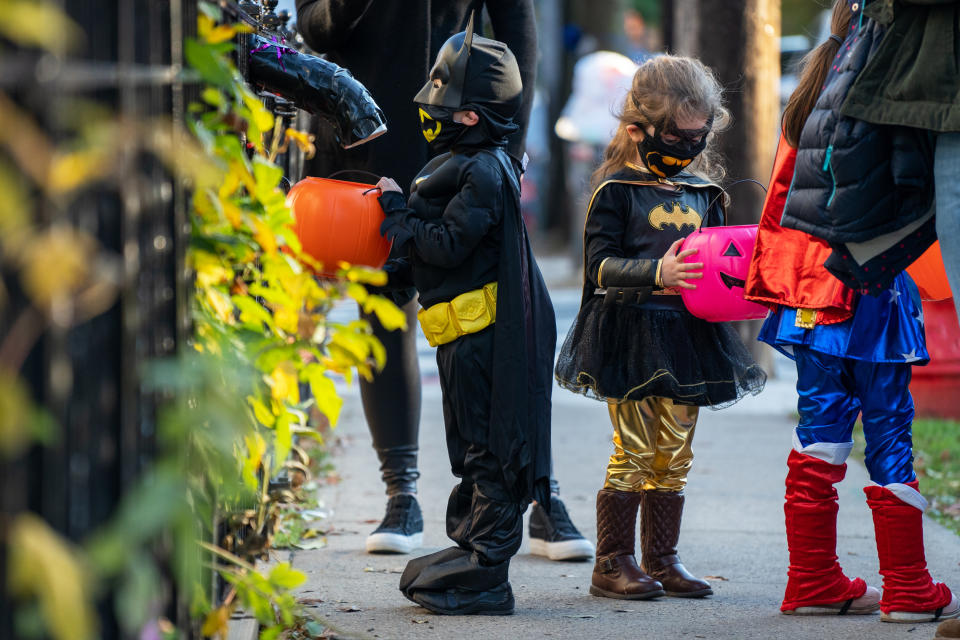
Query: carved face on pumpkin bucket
column 725, row 253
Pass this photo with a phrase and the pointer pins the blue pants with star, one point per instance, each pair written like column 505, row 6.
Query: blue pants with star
column 834, row 390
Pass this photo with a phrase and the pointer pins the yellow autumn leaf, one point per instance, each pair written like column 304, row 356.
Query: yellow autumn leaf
column 76, row 168
column 364, row 275
column 57, row 263
column 34, row 24
column 283, row 383
column 230, row 181
column 304, row 141
column 216, row 622
column 264, row 236
column 256, row 448
column 324, row 393
column 287, row 318
column 261, row 412
column 46, row 567
column 220, row 304
column 390, row 315
column 232, row 213
column 210, row 269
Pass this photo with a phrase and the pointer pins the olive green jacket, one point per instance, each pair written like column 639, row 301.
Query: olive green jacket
column 913, row 78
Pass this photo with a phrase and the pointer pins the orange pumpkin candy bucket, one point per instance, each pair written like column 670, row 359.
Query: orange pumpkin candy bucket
column 337, row 220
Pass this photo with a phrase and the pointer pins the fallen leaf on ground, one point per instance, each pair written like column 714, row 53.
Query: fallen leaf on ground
column 584, row 615
column 624, row 610
column 309, row 601
column 720, row 578
column 419, row 621
column 350, row 609
column 312, row 543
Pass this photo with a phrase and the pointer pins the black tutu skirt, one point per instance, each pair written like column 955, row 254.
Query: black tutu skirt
column 626, row 352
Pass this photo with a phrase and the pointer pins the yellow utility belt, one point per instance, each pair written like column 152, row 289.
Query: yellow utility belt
column 467, row 313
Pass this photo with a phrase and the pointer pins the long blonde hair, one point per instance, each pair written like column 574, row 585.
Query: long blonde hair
column 666, row 88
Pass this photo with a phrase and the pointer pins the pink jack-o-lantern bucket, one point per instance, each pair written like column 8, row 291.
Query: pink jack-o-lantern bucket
column 725, row 253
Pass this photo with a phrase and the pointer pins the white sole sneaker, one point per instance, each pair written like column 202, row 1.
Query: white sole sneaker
column 952, row 610
column 393, row 542
column 580, row 549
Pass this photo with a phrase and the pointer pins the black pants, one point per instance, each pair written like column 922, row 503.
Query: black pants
column 481, row 514
column 391, row 404
column 482, row 518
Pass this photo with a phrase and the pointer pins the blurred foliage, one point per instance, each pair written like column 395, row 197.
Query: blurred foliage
column 936, row 453
column 798, row 17
column 236, row 412
column 936, row 459
column 649, row 9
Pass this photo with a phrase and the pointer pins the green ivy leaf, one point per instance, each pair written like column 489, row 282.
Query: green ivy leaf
column 286, row 577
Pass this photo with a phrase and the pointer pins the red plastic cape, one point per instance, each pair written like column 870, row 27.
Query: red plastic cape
column 787, row 265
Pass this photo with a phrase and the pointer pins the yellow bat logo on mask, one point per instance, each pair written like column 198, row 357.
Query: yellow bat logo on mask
column 679, row 216
column 429, row 134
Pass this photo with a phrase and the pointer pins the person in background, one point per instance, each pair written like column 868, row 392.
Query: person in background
column 912, row 79
column 356, row 34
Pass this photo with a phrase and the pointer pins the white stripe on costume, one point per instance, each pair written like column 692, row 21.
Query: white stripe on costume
column 829, row 452
column 907, row 495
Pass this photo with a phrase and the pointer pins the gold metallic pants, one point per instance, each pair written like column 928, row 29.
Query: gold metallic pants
column 652, row 441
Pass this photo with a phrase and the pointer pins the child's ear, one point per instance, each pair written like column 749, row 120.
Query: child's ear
column 469, row 118
column 636, row 133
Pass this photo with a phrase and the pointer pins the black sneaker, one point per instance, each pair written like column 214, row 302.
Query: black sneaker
column 554, row 535
column 402, row 528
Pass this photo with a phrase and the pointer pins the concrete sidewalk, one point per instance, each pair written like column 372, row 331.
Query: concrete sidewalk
column 732, row 531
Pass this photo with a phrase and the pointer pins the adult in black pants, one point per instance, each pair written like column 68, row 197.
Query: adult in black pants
column 389, row 46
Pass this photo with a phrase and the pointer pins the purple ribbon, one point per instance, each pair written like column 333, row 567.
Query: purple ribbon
column 281, row 49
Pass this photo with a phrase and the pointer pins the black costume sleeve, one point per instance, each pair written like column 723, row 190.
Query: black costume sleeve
column 603, row 243
column 470, row 215
column 326, row 24
column 514, row 23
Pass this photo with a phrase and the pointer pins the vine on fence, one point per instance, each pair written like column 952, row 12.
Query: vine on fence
column 260, row 329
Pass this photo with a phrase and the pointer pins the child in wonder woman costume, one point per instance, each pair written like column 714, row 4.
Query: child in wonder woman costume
column 854, row 354
column 633, row 344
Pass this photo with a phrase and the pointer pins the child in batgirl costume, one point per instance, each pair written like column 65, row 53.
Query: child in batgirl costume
column 854, row 355
column 486, row 309
column 633, row 344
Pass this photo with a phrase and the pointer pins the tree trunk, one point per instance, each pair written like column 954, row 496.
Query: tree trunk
column 739, row 40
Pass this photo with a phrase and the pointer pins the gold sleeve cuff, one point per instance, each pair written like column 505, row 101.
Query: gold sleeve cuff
column 658, row 278
column 600, row 272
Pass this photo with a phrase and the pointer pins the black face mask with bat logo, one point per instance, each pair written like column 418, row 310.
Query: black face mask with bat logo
column 667, row 159
column 439, row 128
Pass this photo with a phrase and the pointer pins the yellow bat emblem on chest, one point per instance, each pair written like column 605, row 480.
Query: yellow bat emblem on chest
column 679, row 216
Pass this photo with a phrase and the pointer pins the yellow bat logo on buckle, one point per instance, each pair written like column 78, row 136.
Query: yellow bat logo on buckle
column 429, row 134
column 679, row 216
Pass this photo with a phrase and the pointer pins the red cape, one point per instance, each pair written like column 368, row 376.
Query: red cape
column 787, row 265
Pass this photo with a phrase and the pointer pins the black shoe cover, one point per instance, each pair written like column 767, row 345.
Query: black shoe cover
column 453, row 568
column 497, row 601
column 415, row 566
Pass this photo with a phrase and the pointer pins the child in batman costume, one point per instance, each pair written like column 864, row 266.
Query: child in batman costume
column 854, row 354
column 633, row 344
column 486, row 309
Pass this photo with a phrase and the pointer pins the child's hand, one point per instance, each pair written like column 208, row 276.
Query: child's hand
column 674, row 272
column 388, row 184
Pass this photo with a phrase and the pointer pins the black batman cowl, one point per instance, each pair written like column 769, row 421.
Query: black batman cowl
column 473, row 73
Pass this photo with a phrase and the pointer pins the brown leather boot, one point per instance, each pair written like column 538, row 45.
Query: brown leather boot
column 659, row 532
column 616, row 574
